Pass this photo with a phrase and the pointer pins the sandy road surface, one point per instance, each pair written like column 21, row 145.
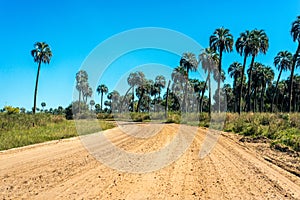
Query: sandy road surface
column 65, row 170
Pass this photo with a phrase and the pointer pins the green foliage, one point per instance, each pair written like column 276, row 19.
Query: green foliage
column 17, row 130
column 282, row 129
column 11, row 110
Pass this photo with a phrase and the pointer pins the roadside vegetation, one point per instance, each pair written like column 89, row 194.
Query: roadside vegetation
column 282, row 130
column 17, row 130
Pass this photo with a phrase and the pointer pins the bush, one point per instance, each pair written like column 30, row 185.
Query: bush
column 11, row 110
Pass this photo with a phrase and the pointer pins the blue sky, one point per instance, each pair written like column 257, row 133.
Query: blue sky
column 74, row 28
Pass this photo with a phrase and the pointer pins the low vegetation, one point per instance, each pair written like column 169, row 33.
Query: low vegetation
column 18, row 130
column 283, row 130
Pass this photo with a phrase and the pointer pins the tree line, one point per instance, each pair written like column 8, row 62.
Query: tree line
column 259, row 92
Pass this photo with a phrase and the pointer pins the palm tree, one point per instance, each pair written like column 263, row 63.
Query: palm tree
column 229, row 97
column 209, row 60
column 267, row 76
column 259, row 42
column 114, row 97
column 81, row 82
column 189, row 62
column 235, row 71
column 282, row 62
column 102, row 89
column 243, row 47
column 43, row 104
column 295, row 32
column 179, row 77
column 221, row 41
column 92, row 103
column 87, row 91
column 41, row 54
column 256, row 85
column 160, row 83
column 142, row 90
column 282, row 87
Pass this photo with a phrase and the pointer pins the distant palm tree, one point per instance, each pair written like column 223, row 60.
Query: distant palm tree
column 209, row 60
column 221, row 41
column 282, row 62
column 102, row 89
column 160, row 83
column 179, row 77
column 41, row 54
column 81, row 82
column 189, row 62
column 235, row 71
column 156, row 88
column 243, row 47
column 87, row 91
column 266, row 77
column 259, row 42
column 92, row 103
column 295, row 32
column 43, row 104
column 114, row 97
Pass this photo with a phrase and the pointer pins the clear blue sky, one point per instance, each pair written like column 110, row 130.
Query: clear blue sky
column 74, row 28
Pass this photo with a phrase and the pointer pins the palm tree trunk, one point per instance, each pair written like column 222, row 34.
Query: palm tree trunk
column 249, row 85
column 122, row 101
column 133, row 98
column 140, row 100
column 262, row 99
column 209, row 97
column 36, row 86
column 292, row 77
column 276, row 87
column 219, row 80
column 235, row 96
column 241, row 86
column 101, row 101
column 167, row 96
column 203, row 91
column 185, row 91
column 255, row 101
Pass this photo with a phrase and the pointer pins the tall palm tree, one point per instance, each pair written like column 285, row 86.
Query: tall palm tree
column 179, row 77
column 114, row 97
column 243, row 47
column 235, row 72
column 189, row 62
column 221, row 41
column 281, row 90
column 102, row 89
column 209, row 60
column 160, row 83
column 256, row 86
column 295, row 32
column 81, row 82
column 142, row 90
column 87, row 91
column 41, row 54
column 267, row 76
column 259, row 43
column 282, row 62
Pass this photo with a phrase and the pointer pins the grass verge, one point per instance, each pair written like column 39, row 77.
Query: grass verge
column 17, row 130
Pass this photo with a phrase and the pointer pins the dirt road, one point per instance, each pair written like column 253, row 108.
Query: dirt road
column 65, row 170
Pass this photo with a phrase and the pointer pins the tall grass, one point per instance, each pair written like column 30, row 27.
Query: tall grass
column 18, row 130
column 283, row 128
